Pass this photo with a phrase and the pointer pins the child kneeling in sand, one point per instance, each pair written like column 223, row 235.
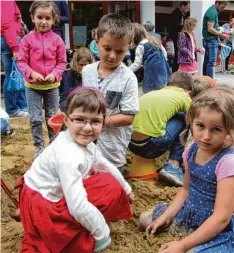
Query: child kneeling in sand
column 71, row 191
column 160, row 122
column 204, row 206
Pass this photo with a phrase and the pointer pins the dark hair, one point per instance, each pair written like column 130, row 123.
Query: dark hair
column 45, row 4
column 182, row 80
column 221, row 2
column 115, row 25
column 184, row 3
column 89, row 99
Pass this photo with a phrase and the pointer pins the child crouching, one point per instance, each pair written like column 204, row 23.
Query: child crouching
column 71, row 191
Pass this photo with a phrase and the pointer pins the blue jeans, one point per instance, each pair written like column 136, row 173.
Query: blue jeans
column 154, row 147
column 51, row 102
column 4, row 125
column 211, row 47
column 14, row 103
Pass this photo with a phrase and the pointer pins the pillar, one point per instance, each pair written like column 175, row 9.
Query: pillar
column 197, row 10
column 147, row 11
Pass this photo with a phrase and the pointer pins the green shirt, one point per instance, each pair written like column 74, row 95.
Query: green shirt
column 157, row 107
column 211, row 15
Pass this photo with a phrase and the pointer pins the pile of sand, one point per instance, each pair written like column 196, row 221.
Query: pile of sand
column 17, row 154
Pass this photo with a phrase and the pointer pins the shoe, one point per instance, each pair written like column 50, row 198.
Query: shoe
column 172, row 175
column 9, row 132
column 101, row 245
column 19, row 114
column 38, row 151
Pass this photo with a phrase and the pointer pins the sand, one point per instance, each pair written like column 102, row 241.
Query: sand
column 17, row 155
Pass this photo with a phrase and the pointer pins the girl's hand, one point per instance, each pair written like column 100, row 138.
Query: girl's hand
column 50, row 78
column 38, row 77
column 172, row 247
column 108, row 122
column 160, row 224
column 131, row 197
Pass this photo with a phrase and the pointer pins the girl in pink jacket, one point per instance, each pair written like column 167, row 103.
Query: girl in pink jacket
column 42, row 60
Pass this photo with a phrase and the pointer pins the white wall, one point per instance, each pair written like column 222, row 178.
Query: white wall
column 147, row 11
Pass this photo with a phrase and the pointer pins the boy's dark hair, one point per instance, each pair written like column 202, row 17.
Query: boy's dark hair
column 184, row 3
column 115, row 25
column 45, row 4
column 182, row 80
column 89, row 99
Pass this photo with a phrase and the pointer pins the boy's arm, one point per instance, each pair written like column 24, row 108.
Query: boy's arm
column 61, row 60
column 223, row 211
column 118, row 120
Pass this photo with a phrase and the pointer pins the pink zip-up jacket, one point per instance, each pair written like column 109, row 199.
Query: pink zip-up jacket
column 43, row 53
column 11, row 26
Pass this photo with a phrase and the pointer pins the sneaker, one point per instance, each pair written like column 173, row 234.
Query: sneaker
column 38, row 151
column 9, row 132
column 101, row 245
column 19, row 114
column 172, row 175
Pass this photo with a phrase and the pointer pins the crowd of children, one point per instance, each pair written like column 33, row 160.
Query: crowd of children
column 75, row 185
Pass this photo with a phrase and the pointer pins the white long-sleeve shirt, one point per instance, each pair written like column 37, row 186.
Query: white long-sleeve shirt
column 138, row 62
column 60, row 170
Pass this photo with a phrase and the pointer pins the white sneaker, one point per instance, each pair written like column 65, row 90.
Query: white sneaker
column 19, row 114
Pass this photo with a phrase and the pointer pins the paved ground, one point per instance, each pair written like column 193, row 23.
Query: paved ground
column 227, row 78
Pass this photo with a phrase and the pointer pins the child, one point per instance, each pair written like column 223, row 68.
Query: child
column 5, row 127
column 73, row 78
column 187, row 47
column 204, row 206
column 160, row 122
column 117, row 83
column 93, row 46
column 149, row 53
column 71, row 191
column 42, row 60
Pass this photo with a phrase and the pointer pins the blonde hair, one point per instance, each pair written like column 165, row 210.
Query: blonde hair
column 45, row 4
column 199, row 84
column 218, row 98
column 189, row 24
column 81, row 53
column 140, row 33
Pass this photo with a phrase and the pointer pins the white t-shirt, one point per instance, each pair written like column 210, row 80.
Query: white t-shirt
column 60, row 170
column 120, row 89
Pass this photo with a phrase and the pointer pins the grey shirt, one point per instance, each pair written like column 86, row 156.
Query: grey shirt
column 120, row 89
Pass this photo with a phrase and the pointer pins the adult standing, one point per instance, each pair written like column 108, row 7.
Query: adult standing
column 11, row 34
column 211, row 33
column 64, row 17
column 178, row 17
column 229, row 27
column 149, row 27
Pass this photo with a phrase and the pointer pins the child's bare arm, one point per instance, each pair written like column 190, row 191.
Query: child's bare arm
column 174, row 208
column 223, row 211
column 118, row 120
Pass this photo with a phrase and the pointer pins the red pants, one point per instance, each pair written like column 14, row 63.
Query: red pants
column 49, row 227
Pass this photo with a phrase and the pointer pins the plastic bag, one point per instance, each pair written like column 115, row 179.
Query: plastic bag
column 16, row 82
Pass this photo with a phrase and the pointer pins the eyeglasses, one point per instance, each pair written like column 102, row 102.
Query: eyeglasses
column 81, row 122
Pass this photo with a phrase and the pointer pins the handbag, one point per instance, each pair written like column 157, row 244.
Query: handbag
column 16, row 82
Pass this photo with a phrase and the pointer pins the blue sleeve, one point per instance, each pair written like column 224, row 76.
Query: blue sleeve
column 64, row 13
column 64, row 89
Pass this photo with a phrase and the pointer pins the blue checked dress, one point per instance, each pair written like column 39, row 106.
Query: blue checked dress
column 200, row 202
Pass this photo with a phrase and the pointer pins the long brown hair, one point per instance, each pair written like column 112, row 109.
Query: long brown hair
column 140, row 33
